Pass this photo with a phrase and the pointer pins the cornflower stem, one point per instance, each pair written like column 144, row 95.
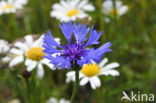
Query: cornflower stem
column 76, row 86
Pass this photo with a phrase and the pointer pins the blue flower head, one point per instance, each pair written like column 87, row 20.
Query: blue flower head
column 77, row 48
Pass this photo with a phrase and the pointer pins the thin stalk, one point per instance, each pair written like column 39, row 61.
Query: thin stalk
column 100, row 18
column 76, row 85
column 115, row 14
column 28, row 91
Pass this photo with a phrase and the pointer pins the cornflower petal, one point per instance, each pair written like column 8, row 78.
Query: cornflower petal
column 48, row 39
column 94, row 37
column 67, row 29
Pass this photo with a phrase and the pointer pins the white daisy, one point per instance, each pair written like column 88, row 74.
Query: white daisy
column 54, row 100
column 4, row 46
column 11, row 6
column 31, row 52
column 68, row 10
column 91, row 72
column 109, row 10
column 14, row 101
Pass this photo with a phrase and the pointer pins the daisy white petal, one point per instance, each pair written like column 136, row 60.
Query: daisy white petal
column 16, row 51
column 38, row 42
column 103, row 62
column 108, row 69
column 92, row 83
column 29, row 40
column 5, row 59
column 4, row 46
column 59, row 14
column 64, row 101
column 89, row 7
column 31, row 66
column 65, row 4
column 95, row 82
column 16, row 60
column 82, row 3
column 20, row 3
column 123, row 10
column 118, row 4
column 110, row 72
column 57, row 40
column 107, row 5
column 111, row 66
column 70, row 76
column 84, row 81
column 47, row 62
column 81, row 75
column 28, row 62
column 82, row 15
column 40, row 71
column 21, row 46
column 14, row 101
column 52, row 100
column 74, row 3
column 58, row 7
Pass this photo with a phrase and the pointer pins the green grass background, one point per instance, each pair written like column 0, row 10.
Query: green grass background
column 134, row 46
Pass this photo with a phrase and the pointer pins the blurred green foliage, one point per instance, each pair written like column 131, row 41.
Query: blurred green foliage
column 134, row 47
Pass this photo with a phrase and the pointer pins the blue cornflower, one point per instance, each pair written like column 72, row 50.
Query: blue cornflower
column 77, row 48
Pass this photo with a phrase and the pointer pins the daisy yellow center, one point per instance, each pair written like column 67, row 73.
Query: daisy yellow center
column 72, row 12
column 90, row 70
column 35, row 53
column 113, row 12
column 8, row 6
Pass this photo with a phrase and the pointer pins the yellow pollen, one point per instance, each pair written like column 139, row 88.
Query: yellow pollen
column 8, row 6
column 35, row 53
column 113, row 12
column 90, row 69
column 72, row 12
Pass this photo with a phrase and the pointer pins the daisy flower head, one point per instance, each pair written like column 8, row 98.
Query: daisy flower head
column 11, row 6
column 54, row 100
column 68, row 10
column 109, row 9
column 76, row 51
column 91, row 72
column 31, row 53
column 4, row 46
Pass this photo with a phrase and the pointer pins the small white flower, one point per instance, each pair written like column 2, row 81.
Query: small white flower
column 14, row 101
column 31, row 52
column 90, row 72
column 54, row 100
column 4, row 46
column 109, row 10
column 11, row 6
column 68, row 10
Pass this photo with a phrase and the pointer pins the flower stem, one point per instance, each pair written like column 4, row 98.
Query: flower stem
column 28, row 91
column 76, row 85
column 115, row 14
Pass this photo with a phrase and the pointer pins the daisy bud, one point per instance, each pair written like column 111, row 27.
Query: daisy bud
column 26, row 74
